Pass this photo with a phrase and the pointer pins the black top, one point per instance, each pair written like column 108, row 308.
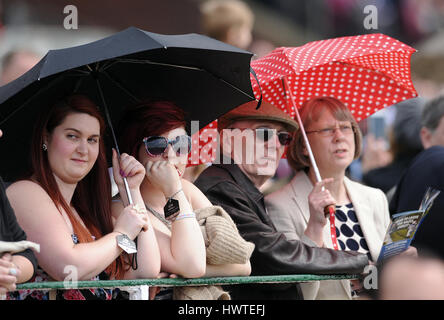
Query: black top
column 9, row 228
column 426, row 170
column 227, row 186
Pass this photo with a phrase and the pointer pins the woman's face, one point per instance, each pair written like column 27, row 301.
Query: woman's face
column 73, row 147
column 333, row 149
column 177, row 159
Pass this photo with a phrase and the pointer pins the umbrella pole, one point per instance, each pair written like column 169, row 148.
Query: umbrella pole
column 330, row 210
column 304, row 135
column 108, row 119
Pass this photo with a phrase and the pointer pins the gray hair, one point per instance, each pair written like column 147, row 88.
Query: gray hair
column 433, row 112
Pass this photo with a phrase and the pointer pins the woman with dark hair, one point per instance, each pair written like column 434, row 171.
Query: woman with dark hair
column 154, row 133
column 65, row 204
column 362, row 215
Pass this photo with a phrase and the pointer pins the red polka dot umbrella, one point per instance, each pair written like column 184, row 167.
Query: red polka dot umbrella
column 366, row 72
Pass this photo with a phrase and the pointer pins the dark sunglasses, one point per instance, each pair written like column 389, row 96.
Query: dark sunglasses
column 266, row 134
column 156, row 146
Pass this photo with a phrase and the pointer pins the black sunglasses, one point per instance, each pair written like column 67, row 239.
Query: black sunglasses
column 156, row 146
column 266, row 134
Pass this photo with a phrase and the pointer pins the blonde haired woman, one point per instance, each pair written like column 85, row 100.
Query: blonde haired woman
column 362, row 215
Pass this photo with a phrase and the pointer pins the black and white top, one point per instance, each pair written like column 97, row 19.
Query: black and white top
column 348, row 230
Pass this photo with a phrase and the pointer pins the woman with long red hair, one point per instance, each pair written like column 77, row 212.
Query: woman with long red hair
column 155, row 134
column 65, row 204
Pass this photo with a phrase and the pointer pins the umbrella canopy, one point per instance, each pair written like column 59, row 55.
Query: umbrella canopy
column 366, row 72
column 205, row 77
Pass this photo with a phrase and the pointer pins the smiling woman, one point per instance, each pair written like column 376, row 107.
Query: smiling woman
column 362, row 216
column 69, row 193
column 73, row 147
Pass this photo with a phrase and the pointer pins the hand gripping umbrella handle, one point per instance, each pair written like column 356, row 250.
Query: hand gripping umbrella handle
column 329, row 211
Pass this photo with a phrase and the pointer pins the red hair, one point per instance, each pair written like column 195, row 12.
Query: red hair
column 96, row 214
column 151, row 118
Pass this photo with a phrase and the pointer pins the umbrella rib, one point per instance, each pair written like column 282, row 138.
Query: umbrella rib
column 121, row 86
column 83, row 72
column 180, row 66
column 106, row 65
column 233, row 86
column 49, row 85
column 158, row 63
column 348, row 64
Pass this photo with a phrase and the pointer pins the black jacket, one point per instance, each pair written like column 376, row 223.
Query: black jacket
column 227, row 186
column 426, row 170
column 9, row 228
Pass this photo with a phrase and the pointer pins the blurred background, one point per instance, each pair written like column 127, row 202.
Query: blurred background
column 29, row 28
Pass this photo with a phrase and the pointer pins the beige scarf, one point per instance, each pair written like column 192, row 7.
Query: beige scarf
column 224, row 245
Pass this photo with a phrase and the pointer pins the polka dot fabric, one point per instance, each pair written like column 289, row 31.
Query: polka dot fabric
column 366, row 72
column 348, row 230
column 204, row 145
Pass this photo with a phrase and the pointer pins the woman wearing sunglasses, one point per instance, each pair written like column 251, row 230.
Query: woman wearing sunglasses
column 362, row 216
column 154, row 133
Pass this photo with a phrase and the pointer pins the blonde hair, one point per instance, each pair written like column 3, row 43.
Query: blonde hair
column 218, row 16
column 310, row 112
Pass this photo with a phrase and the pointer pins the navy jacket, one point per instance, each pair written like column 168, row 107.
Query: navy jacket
column 426, row 170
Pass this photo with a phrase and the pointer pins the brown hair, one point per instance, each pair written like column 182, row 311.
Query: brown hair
column 96, row 214
column 310, row 112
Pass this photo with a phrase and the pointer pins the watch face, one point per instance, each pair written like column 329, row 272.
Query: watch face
column 127, row 245
column 171, row 209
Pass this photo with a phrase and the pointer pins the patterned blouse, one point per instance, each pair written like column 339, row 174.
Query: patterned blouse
column 348, row 230
column 70, row 294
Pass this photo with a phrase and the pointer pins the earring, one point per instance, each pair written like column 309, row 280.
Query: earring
column 45, row 147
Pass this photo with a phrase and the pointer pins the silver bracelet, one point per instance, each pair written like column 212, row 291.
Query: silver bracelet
column 174, row 194
column 185, row 216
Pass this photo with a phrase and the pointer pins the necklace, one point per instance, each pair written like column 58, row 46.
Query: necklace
column 158, row 215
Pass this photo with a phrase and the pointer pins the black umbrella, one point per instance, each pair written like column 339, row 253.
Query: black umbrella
column 204, row 76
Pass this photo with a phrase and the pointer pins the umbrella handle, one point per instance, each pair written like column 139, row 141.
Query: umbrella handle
column 125, row 181
column 329, row 212
column 110, row 123
column 128, row 193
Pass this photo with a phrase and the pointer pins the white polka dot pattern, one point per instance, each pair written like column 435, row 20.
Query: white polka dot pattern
column 366, row 72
